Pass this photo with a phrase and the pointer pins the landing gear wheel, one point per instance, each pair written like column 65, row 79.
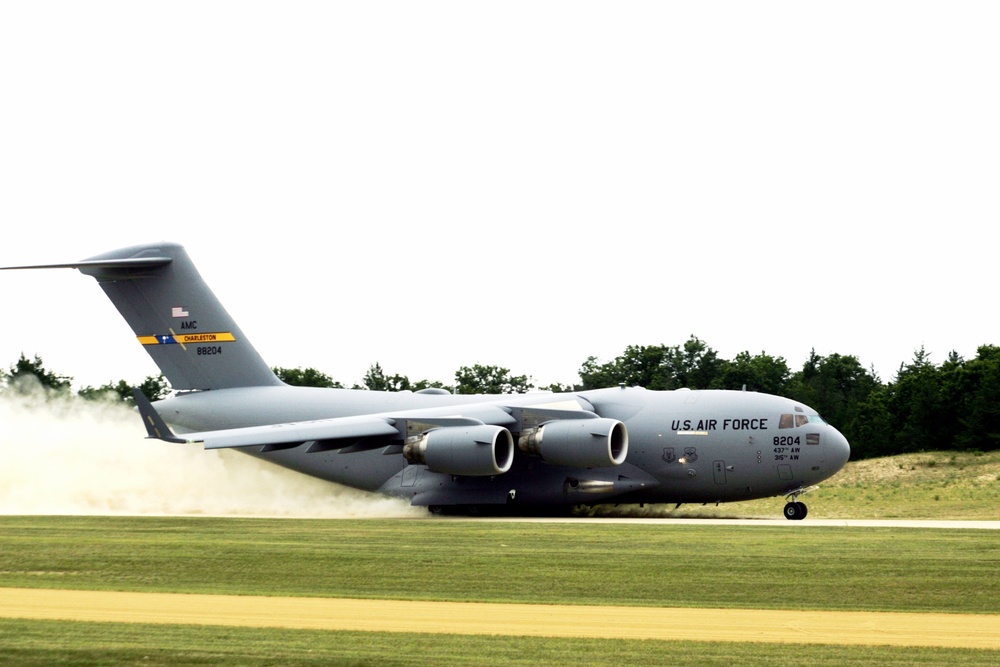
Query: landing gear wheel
column 796, row 511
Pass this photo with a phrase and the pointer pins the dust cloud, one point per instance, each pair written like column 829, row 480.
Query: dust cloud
column 71, row 456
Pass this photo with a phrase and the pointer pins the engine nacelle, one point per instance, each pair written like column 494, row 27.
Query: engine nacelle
column 579, row 443
column 476, row 451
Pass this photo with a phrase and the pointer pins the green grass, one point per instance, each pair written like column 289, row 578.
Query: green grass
column 46, row 643
column 946, row 485
column 932, row 485
column 787, row 567
column 669, row 564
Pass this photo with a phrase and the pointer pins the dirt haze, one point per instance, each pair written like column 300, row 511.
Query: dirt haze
column 92, row 458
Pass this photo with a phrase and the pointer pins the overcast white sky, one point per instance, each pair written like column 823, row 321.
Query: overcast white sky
column 429, row 185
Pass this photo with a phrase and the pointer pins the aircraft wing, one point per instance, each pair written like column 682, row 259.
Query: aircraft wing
column 334, row 433
column 477, row 441
column 295, row 433
column 273, row 435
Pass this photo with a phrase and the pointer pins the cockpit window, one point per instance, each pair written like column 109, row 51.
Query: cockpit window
column 793, row 421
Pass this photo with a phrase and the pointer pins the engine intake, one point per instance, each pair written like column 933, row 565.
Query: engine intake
column 476, row 451
column 579, row 443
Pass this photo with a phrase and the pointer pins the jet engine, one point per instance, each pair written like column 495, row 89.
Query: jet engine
column 579, row 443
column 478, row 451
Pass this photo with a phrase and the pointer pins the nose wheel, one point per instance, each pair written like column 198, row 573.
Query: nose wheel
column 795, row 511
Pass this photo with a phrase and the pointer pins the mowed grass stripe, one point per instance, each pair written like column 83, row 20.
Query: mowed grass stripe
column 670, row 565
column 731, row 625
column 34, row 644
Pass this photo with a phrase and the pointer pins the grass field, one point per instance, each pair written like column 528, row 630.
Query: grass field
column 47, row 643
column 669, row 564
column 662, row 565
column 932, row 485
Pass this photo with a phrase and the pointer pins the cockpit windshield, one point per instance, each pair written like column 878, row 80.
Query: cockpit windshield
column 796, row 420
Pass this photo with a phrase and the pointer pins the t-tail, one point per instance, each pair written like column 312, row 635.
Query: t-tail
column 176, row 317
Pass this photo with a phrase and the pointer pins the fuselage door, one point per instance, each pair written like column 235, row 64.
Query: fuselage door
column 719, row 470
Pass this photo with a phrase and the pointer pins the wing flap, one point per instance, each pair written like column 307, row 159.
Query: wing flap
column 337, row 429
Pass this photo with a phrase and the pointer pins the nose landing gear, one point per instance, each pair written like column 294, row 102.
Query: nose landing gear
column 795, row 510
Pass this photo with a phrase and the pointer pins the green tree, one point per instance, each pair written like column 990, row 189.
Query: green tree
column 429, row 384
column 761, row 372
column 489, row 380
column 915, row 403
column 377, row 380
column 637, row 366
column 155, row 387
column 694, row 365
column 873, row 432
column 957, row 382
column 27, row 375
column 977, row 385
column 558, row 388
column 305, row 377
column 835, row 386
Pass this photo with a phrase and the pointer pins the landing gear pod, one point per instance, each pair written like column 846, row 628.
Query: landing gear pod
column 476, row 451
column 578, row 443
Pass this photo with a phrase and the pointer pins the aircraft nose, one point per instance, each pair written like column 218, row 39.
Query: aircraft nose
column 839, row 450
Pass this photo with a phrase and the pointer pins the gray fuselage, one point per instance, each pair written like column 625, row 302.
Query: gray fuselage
column 685, row 446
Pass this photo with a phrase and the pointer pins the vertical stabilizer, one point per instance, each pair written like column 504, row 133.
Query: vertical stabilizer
column 177, row 318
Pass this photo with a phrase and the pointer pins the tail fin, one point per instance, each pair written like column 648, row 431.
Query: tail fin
column 178, row 319
column 175, row 316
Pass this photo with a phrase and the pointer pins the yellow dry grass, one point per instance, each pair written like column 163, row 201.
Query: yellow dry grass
column 734, row 625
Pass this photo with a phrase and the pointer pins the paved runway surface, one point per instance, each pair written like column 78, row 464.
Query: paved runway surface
column 782, row 523
column 734, row 625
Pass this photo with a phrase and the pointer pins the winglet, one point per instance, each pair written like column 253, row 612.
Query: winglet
column 155, row 426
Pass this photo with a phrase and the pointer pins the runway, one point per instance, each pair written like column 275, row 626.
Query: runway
column 779, row 523
column 731, row 625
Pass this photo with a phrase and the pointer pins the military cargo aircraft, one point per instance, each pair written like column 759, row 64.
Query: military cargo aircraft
column 516, row 453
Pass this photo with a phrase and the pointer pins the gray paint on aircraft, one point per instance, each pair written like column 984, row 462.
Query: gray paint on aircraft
column 438, row 449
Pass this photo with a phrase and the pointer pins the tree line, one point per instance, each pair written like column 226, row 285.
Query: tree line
column 926, row 407
column 954, row 405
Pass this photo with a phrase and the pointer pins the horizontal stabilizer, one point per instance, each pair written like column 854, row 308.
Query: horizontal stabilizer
column 175, row 317
column 99, row 264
